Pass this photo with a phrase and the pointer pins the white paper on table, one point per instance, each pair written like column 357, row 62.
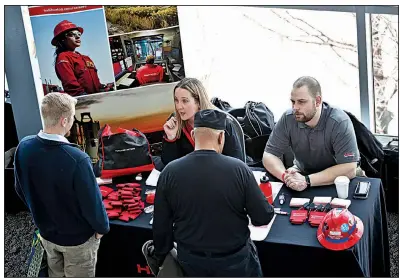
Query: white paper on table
column 153, row 178
column 101, row 181
column 127, row 82
column 276, row 186
column 260, row 233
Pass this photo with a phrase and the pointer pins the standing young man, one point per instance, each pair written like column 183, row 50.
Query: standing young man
column 56, row 181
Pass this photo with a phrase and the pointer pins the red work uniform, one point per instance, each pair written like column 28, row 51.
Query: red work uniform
column 77, row 73
column 149, row 73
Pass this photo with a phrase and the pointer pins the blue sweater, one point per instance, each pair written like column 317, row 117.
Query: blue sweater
column 56, row 181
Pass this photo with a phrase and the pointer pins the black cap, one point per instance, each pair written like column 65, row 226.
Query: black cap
column 210, row 118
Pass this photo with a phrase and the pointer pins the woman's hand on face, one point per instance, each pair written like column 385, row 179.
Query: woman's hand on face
column 171, row 128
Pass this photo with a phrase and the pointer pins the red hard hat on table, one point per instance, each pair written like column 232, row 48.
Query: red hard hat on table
column 62, row 27
column 340, row 230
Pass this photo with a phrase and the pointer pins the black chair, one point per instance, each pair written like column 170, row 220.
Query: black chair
column 239, row 132
column 237, row 112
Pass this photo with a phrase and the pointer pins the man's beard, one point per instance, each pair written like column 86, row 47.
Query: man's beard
column 304, row 118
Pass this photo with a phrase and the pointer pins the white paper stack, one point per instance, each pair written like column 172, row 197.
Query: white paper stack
column 340, row 203
column 260, row 233
column 322, row 200
column 101, row 181
column 298, row 202
column 153, row 178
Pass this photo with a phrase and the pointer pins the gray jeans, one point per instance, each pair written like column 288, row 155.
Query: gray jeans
column 72, row 261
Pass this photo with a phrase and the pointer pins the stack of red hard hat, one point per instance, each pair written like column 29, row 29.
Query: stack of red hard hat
column 124, row 204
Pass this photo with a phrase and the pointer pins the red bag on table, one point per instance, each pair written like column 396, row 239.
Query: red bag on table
column 125, row 152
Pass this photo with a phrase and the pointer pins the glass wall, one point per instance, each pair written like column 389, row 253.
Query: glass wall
column 256, row 53
column 385, row 61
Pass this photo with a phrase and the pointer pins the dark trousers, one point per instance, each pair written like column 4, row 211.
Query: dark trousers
column 243, row 263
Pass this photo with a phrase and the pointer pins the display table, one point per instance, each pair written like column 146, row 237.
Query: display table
column 289, row 250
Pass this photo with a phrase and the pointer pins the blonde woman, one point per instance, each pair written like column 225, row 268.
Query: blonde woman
column 190, row 97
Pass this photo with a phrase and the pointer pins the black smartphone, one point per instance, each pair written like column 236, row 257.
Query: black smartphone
column 362, row 190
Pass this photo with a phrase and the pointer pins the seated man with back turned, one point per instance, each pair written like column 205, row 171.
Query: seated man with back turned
column 55, row 179
column 150, row 73
column 321, row 137
column 203, row 201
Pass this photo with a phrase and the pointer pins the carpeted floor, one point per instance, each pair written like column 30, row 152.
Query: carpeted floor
column 19, row 229
column 393, row 223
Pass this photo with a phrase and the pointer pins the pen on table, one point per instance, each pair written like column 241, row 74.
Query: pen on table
column 279, row 211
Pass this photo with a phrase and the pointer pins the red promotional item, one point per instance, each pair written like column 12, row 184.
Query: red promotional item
column 116, row 209
column 107, row 204
column 266, row 188
column 150, row 198
column 130, row 201
column 133, row 216
column 340, row 229
column 124, row 197
column 298, row 216
column 113, row 196
column 132, row 206
column 123, row 192
column 112, row 214
column 105, row 191
column 134, row 211
column 124, row 217
column 124, row 204
column 133, row 184
column 316, row 217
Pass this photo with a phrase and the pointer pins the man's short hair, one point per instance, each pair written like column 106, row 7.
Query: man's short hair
column 150, row 59
column 206, row 133
column 312, row 84
column 56, row 106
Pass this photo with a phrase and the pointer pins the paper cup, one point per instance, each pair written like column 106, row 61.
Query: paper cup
column 342, row 186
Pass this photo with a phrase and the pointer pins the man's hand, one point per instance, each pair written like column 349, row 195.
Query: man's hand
column 98, row 236
column 292, row 170
column 296, row 181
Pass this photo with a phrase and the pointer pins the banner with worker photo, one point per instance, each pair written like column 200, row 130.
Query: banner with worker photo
column 136, row 49
column 145, row 45
column 72, row 49
column 145, row 48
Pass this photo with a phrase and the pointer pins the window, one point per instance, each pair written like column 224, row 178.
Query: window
column 257, row 53
column 385, row 61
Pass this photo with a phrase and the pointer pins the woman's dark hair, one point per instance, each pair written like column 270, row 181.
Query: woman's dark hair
column 60, row 47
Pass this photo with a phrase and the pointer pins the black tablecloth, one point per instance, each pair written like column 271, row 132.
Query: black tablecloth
column 292, row 250
column 289, row 250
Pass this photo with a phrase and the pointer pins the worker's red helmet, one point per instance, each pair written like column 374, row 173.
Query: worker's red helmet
column 340, row 230
column 62, row 27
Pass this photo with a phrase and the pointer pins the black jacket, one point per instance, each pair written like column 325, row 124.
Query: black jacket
column 184, row 145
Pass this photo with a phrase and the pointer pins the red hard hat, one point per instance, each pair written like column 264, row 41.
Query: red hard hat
column 340, row 230
column 62, row 27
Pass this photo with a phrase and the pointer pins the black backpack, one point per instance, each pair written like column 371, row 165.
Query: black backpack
column 219, row 103
column 258, row 120
column 371, row 150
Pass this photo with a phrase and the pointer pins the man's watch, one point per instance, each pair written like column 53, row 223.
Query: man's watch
column 308, row 181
